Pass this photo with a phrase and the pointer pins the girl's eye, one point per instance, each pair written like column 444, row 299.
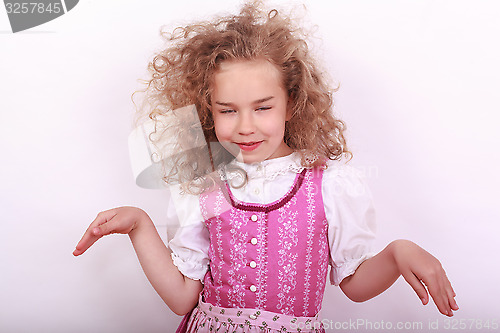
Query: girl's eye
column 227, row 111
column 263, row 108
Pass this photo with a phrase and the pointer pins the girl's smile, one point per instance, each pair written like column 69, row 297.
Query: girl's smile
column 249, row 107
column 248, row 146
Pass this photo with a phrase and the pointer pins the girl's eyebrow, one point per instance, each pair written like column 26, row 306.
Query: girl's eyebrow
column 223, row 103
column 261, row 100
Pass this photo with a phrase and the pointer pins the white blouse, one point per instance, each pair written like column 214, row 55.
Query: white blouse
column 348, row 208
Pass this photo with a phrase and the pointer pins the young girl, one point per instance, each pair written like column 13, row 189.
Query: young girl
column 272, row 206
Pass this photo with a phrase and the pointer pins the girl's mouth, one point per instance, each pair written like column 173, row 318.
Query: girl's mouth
column 249, row 146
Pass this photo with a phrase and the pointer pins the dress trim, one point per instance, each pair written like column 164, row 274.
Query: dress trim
column 264, row 208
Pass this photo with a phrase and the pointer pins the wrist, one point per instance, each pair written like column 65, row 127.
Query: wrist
column 400, row 251
column 142, row 221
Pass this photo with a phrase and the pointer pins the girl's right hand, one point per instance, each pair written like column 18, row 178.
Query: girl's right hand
column 122, row 220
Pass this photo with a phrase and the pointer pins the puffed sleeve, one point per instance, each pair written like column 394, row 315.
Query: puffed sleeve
column 190, row 244
column 351, row 220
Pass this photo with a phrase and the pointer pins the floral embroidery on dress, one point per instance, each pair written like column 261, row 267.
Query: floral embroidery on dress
column 237, row 255
column 271, row 257
column 220, row 252
column 322, row 270
column 287, row 240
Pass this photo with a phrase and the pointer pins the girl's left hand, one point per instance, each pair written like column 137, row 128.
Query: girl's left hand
column 121, row 220
column 424, row 273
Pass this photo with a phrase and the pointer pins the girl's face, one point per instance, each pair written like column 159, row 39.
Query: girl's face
column 249, row 107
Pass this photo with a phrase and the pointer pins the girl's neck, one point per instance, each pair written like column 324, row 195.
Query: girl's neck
column 267, row 161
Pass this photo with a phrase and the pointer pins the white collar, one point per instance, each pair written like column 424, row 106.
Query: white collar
column 268, row 169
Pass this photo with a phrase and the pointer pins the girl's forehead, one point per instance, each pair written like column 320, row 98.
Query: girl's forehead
column 244, row 64
column 247, row 82
column 248, row 69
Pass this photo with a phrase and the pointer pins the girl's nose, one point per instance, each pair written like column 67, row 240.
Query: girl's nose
column 246, row 124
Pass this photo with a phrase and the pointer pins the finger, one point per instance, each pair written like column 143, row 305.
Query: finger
column 448, row 295
column 93, row 232
column 451, row 296
column 417, row 286
column 88, row 239
column 453, row 303
column 441, row 300
column 105, row 228
column 440, row 295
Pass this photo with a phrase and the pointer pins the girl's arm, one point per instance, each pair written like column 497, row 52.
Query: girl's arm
column 178, row 292
column 418, row 267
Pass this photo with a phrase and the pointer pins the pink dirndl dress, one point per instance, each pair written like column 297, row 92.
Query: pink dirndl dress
column 268, row 263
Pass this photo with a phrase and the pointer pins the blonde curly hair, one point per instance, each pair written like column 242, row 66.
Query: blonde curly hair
column 182, row 74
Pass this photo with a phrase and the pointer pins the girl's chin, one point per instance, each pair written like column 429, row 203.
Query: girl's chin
column 245, row 157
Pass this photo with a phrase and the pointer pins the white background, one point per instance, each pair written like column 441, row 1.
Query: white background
column 419, row 84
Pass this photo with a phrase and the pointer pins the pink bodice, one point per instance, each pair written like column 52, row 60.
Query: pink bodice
column 272, row 257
